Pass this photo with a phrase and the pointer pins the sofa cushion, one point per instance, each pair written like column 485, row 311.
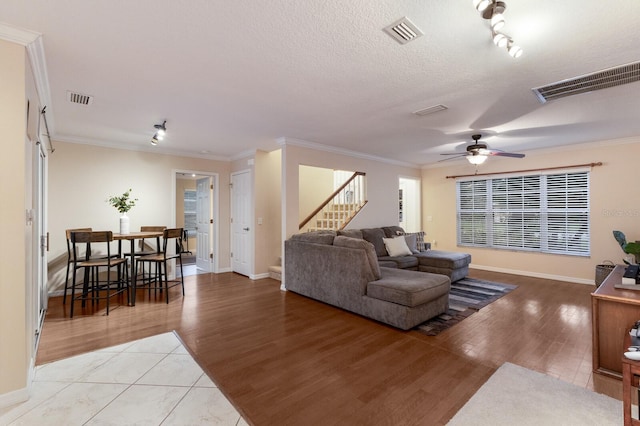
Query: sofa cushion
column 408, row 288
column 402, row 262
column 318, row 237
column 444, row 259
column 375, row 236
column 357, row 243
column 396, row 246
column 420, row 244
column 352, row 233
column 383, row 262
column 392, row 231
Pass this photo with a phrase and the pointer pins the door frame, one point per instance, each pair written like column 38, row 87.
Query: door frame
column 215, row 210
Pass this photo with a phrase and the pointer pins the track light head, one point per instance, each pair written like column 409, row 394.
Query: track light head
column 514, row 50
column 161, row 128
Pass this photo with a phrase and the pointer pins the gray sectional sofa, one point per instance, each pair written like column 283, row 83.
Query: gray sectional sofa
column 345, row 272
column 455, row 265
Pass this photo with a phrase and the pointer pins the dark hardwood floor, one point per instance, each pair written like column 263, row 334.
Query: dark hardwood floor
column 283, row 359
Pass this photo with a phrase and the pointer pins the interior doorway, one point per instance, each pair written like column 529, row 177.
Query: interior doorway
column 409, row 204
column 196, row 211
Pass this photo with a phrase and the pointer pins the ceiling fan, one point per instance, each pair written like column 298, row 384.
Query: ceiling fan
column 478, row 152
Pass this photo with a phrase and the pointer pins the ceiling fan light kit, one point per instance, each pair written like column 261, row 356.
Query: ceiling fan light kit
column 493, row 10
column 476, row 159
column 478, row 152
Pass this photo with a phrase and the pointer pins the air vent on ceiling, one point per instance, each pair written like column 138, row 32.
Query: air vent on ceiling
column 611, row 77
column 430, row 110
column 403, row 31
column 79, row 98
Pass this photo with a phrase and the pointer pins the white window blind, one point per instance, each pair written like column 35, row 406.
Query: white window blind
column 547, row 213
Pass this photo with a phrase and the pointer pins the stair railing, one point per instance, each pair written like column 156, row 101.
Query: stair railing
column 341, row 206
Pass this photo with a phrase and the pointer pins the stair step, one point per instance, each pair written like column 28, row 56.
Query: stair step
column 275, row 272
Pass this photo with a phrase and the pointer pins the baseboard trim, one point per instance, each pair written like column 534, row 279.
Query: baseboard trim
column 259, row 276
column 14, row 397
column 534, row 274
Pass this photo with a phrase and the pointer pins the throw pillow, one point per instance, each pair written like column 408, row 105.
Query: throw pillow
column 357, row 243
column 375, row 236
column 396, row 246
column 412, row 242
column 420, row 244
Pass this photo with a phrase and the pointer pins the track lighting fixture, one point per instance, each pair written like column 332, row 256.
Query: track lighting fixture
column 493, row 10
column 161, row 130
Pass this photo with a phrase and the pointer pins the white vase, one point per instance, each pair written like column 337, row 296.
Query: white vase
column 124, row 224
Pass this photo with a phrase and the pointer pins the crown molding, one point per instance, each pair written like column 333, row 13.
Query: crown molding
column 335, row 150
column 154, row 150
column 244, row 154
column 35, row 51
column 17, row 35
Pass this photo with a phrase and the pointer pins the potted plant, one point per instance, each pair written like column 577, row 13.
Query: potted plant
column 123, row 204
column 628, row 247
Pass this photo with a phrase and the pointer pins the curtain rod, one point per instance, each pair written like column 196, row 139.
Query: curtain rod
column 530, row 170
column 46, row 126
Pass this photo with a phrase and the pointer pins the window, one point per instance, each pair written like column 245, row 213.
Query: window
column 547, row 213
column 190, row 211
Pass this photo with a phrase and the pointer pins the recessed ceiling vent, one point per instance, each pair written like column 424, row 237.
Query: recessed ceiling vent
column 611, row 77
column 403, row 31
column 79, row 98
column 430, row 110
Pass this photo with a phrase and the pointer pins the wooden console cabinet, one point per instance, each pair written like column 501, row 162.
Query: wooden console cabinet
column 614, row 311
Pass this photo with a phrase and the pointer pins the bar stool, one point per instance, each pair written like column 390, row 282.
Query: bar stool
column 71, row 258
column 92, row 282
column 170, row 238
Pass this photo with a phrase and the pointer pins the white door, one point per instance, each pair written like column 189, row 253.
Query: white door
column 204, row 224
column 241, row 216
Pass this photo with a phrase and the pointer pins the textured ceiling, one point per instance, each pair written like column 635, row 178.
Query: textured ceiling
column 234, row 76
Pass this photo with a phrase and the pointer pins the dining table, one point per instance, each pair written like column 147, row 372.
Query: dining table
column 132, row 237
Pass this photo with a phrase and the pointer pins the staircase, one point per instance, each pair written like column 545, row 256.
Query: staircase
column 340, row 207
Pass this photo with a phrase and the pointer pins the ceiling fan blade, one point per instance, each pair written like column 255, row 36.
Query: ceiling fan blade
column 498, row 153
column 452, row 158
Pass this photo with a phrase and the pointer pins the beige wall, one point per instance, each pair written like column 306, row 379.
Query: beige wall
column 82, row 177
column 614, row 206
column 15, row 338
column 267, row 208
column 316, row 184
column 265, row 174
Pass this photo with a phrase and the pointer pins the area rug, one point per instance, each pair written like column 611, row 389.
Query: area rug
column 514, row 395
column 467, row 296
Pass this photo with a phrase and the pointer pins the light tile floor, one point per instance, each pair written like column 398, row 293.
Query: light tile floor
column 152, row 381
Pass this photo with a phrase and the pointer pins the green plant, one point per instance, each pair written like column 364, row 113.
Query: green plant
column 122, row 203
column 629, row 248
